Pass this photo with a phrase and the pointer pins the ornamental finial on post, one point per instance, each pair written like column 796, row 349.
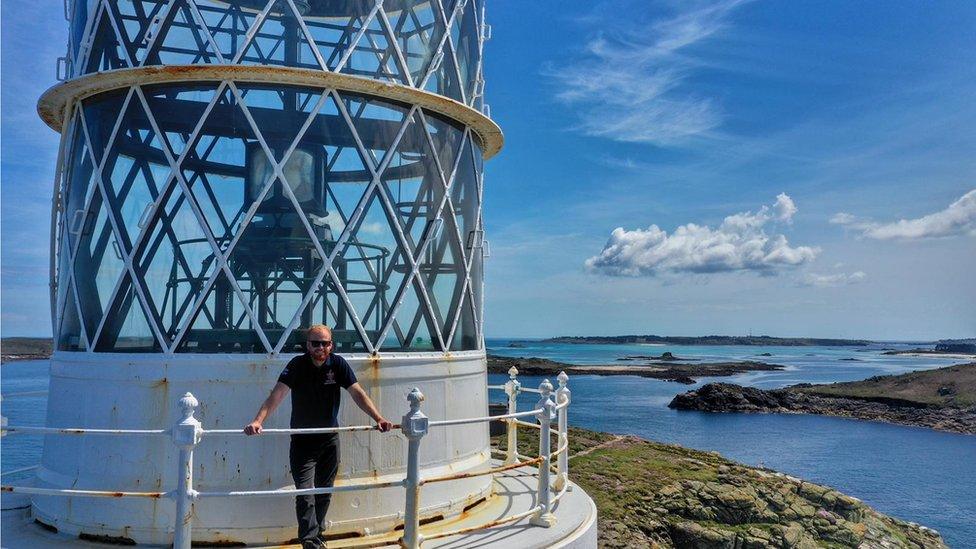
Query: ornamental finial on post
column 562, row 393
column 512, row 372
column 188, row 432
column 414, row 422
column 546, row 403
column 188, row 405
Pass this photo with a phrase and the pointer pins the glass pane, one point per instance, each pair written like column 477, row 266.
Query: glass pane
column 280, row 41
column 180, row 40
column 466, row 47
column 69, row 334
column 228, row 23
column 328, row 308
column 98, row 264
column 222, row 166
column 418, row 30
column 137, row 21
column 465, row 335
column 376, row 122
column 79, row 182
column 105, row 53
column 364, row 267
column 221, row 325
column 175, row 262
column 127, row 328
column 275, row 262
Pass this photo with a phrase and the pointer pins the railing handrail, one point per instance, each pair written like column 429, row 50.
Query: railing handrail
column 188, row 433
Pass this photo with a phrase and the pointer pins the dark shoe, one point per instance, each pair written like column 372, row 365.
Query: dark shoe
column 322, row 540
column 313, row 544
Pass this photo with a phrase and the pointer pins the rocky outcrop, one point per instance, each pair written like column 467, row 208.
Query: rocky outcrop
column 726, row 397
column 660, row 495
column 665, row 368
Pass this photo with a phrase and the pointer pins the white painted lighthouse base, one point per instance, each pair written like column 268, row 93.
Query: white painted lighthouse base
column 513, row 492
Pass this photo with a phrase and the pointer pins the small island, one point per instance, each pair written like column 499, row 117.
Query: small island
column 710, row 340
column 666, row 367
column 943, row 399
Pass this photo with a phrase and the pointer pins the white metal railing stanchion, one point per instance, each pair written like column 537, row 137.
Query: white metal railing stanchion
column 186, row 435
column 562, row 399
column 543, row 516
column 414, row 427
column 512, row 389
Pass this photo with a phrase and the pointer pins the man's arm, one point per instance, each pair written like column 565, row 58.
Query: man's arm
column 269, row 405
column 366, row 404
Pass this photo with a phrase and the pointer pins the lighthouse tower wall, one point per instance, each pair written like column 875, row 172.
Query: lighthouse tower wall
column 232, row 172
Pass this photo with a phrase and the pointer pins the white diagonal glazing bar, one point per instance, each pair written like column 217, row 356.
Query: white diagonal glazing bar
column 308, row 36
column 354, row 43
column 278, row 168
column 392, row 41
column 251, row 32
column 355, row 218
column 156, row 207
column 98, row 187
column 202, row 25
column 126, row 258
column 164, row 22
column 202, row 220
column 118, row 34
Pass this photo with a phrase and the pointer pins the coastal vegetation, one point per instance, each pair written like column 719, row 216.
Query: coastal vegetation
column 943, row 399
column 660, row 495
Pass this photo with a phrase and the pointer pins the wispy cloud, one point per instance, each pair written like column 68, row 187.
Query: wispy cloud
column 959, row 218
column 629, row 83
column 832, row 280
column 740, row 243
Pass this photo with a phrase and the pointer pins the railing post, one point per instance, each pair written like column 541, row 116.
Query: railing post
column 562, row 396
column 544, row 516
column 186, row 435
column 512, row 389
column 414, row 427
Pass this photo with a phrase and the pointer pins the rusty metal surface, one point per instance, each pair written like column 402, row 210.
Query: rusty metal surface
column 53, row 103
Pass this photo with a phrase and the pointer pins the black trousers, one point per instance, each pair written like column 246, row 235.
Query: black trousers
column 314, row 462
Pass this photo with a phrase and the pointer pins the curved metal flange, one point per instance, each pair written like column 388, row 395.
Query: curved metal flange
column 53, row 103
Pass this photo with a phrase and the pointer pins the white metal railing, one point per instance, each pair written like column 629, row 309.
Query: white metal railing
column 188, row 433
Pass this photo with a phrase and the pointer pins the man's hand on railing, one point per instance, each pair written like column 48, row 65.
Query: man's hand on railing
column 384, row 425
column 253, row 428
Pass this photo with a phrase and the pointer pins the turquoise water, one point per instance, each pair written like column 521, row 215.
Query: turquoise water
column 911, row 473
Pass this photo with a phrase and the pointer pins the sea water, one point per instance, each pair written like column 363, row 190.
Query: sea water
column 910, row 473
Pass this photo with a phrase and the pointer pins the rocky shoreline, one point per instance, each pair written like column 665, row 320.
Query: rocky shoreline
column 665, row 367
column 661, row 495
column 937, row 399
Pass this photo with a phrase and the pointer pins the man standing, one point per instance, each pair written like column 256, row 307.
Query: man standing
column 314, row 379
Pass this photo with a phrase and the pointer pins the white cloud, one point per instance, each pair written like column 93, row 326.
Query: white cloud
column 959, row 218
column 626, row 87
column 740, row 243
column 832, row 280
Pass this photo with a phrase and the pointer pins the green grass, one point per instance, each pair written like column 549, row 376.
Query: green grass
column 952, row 386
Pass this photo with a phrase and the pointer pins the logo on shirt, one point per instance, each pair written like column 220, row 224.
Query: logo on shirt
column 330, row 378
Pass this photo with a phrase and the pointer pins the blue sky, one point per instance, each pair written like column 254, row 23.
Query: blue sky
column 670, row 167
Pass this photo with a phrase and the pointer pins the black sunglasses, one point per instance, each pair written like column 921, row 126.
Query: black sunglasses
column 319, row 343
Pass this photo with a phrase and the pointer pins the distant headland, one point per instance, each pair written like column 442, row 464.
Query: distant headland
column 762, row 340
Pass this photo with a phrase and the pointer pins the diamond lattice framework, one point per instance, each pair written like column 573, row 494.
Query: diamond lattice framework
column 221, row 217
column 435, row 45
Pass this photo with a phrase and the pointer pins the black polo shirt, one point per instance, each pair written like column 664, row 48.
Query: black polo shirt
column 315, row 390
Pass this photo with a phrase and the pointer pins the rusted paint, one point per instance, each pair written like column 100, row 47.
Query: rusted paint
column 52, row 104
column 102, row 538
